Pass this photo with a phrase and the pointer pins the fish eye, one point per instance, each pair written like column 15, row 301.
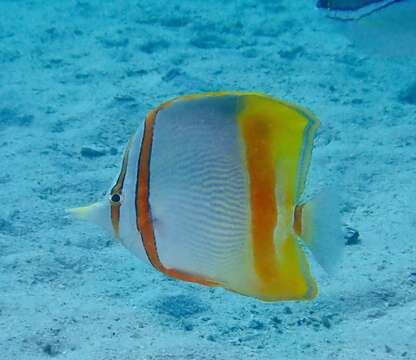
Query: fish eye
column 115, row 199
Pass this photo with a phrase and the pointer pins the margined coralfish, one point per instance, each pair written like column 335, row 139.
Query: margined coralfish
column 386, row 27
column 209, row 192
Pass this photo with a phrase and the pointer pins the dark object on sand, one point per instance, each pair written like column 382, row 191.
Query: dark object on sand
column 352, row 236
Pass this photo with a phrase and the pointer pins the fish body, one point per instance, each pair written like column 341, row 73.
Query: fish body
column 210, row 190
column 385, row 27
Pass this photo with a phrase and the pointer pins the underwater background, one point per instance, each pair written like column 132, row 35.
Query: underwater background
column 76, row 79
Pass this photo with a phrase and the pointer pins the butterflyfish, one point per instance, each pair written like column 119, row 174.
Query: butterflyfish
column 386, row 27
column 210, row 192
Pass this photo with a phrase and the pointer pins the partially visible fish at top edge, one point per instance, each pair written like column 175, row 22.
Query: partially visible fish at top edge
column 353, row 9
column 384, row 27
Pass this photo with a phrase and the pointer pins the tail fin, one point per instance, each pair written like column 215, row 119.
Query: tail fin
column 318, row 222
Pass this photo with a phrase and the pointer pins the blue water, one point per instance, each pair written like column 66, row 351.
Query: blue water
column 77, row 77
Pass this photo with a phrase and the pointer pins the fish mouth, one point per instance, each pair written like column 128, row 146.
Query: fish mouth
column 84, row 212
column 98, row 213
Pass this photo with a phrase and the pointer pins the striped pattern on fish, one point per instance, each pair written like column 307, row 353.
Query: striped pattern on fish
column 210, row 191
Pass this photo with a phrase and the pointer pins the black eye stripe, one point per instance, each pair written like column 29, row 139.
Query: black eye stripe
column 118, row 187
column 117, row 190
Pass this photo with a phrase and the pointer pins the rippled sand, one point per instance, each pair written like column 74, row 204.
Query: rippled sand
column 77, row 77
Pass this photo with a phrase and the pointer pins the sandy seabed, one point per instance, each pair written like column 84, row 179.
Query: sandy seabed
column 76, row 79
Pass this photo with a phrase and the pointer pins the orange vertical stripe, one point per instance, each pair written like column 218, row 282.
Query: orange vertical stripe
column 115, row 220
column 297, row 221
column 143, row 210
column 261, row 170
